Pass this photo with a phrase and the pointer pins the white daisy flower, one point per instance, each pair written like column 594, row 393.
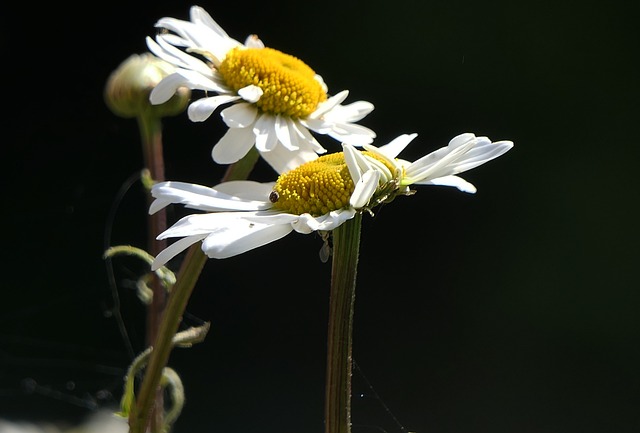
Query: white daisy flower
column 276, row 99
column 316, row 196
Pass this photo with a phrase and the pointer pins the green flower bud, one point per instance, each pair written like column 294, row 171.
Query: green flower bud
column 129, row 86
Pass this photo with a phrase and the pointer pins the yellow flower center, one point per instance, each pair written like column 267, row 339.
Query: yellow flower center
column 288, row 84
column 316, row 187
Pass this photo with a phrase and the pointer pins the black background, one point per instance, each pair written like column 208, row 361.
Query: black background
column 512, row 310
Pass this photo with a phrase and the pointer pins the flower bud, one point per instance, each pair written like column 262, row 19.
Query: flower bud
column 129, row 86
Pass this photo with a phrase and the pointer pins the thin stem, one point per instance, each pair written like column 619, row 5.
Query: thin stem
column 180, row 294
column 150, row 127
column 151, row 135
column 346, row 249
column 188, row 275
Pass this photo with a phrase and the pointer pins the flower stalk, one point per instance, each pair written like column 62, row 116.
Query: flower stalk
column 346, row 250
column 150, row 126
column 140, row 418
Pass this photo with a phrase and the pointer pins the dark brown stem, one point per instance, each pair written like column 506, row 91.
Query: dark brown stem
column 151, row 135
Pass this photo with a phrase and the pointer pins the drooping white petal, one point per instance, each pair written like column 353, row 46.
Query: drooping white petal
column 210, row 83
column 233, row 145
column 242, row 236
column 454, row 181
column 201, row 224
column 237, row 195
column 158, row 204
column 239, row 115
column 246, row 189
column 264, row 129
column 201, row 109
column 174, row 249
column 364, row 189
column 251, row 93
column 167, row 87
column 306, row 223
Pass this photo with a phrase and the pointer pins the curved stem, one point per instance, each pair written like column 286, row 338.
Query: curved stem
column 346, row 249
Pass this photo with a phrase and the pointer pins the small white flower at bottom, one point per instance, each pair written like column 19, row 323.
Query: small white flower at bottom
column 244, row 215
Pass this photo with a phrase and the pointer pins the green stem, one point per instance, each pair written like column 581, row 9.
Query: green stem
column 180, row 294
column 188, row 275
column 346, row 249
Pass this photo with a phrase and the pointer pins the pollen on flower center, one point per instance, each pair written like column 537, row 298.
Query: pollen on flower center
column 288, row 84
column 316, row 187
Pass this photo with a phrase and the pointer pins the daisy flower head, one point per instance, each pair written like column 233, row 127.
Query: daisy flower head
column 273, row 100
column 319, row 195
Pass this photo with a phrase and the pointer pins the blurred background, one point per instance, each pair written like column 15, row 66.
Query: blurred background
column 511, row 310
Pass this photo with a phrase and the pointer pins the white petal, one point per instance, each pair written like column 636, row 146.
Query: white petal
column 305, row 139
column 242, row 236
column 282, row 159
column 253, row 195
column 200, row 37
column 317, row 125
column 336, row 218
column 284, row 131
column 438, row 163
column 354, row 134
column 201, row 224
column 364, row 189
column 329, row 104
column 394, row 147
column 200, row 16
column 251, row 93
column 350, row 113
column 166, row 88
column 264, row 129
column 239, row 115
column 233, row 145
column 463, row 153
column 246, row 189
column 356, row 162
column 158, row 204
column 306, row 223
column 320, row 80
column 483, row 152
column 173, row 250
column 253, row 41
column 177, row 57
column 454, row 181
column 203, row 108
